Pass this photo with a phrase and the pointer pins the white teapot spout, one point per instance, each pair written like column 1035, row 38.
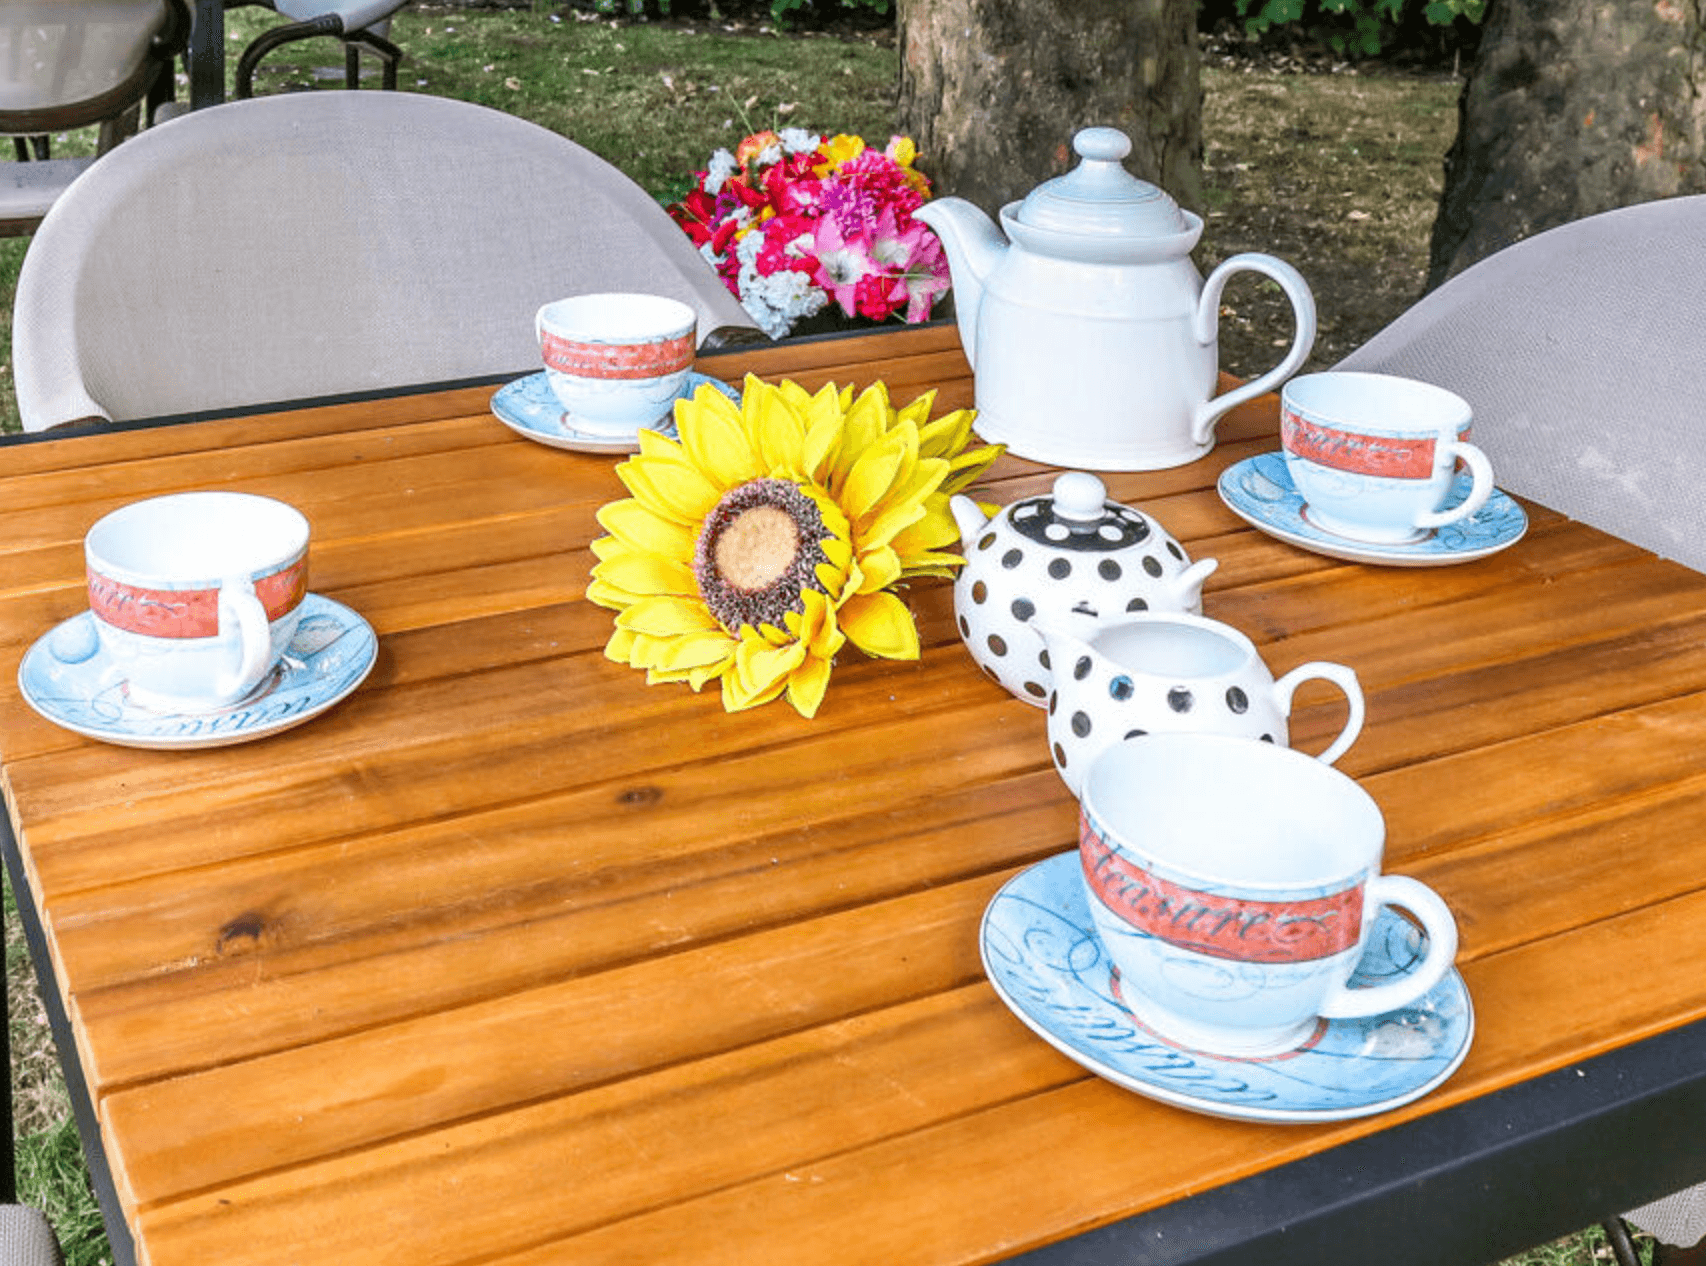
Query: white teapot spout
column 975, row 246
column 969, row 516
column 1187, row 585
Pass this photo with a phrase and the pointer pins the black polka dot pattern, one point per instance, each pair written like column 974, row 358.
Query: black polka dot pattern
column 997, row 645
column 1059, row 568
column 1036, row 690
column 1081, row 669
column 1180, row 700
column 1137, row 604
column 1012, row 558
column 1237, row 700
column 987, row 540
column 1108, row 569
column 1152, row 565
column 1081, row 724
column 1023, row 609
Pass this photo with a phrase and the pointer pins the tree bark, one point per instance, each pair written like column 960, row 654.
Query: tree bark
column 993, row 90
column 1574, row 107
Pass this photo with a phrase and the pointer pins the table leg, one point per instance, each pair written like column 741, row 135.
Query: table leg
column 82, row 1106
column 206, row 54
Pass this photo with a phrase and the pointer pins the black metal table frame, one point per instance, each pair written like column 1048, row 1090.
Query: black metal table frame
column 1465, row 1186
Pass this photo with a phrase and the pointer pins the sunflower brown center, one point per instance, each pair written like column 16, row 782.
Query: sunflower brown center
column 757, row 548
column 757, row 552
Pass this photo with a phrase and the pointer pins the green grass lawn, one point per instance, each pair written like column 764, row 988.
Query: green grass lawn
column 1349, row 202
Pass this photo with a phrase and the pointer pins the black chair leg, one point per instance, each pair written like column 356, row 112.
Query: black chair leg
column 389, row 54
column 1622, row 1247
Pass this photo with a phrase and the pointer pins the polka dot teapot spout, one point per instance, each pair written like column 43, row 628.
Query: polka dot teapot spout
column 1072, row 555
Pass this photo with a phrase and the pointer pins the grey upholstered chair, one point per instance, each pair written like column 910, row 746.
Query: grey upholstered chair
column 317, row 243
column 358, row 23
column 1579, row 350
column 76, row 63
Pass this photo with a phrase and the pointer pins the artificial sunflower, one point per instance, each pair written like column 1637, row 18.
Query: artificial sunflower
column 771, row 534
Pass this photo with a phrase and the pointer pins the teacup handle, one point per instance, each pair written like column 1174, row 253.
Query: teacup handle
column 1207, row 325
column 239, row 605
column 1480, row 470
column 1435, row 918
column 1346, row 681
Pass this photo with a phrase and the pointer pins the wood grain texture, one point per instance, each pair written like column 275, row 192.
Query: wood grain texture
column 510, row 958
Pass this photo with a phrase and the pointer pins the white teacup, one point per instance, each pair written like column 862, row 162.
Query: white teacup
column 617, row 362
column 1374, row 457
column 1154, row 672
column 195, row 595
column 1234, row 884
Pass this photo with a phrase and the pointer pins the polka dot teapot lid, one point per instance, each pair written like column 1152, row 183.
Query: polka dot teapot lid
column 1072, row 554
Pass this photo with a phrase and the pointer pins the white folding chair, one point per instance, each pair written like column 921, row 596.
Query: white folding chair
column 358, row 23
column 315, row 243
column 69, row 64
column 1580, row 351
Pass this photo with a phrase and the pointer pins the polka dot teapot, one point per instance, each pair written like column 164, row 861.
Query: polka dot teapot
column 1070, row 555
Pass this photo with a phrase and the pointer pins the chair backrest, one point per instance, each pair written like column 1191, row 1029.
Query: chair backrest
column 319, row 243
column 67, row 63
column 1581, row 351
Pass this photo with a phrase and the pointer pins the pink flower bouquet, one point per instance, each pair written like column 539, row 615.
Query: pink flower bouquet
column 791, row 221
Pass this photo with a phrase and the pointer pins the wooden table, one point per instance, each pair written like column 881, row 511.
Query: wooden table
column 511, row 958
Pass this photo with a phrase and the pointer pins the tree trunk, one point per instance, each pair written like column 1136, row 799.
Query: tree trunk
column 993, row 90
column 1574, row 107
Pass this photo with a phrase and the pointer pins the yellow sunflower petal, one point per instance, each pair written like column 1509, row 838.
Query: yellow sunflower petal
column 879, row 624
column 667, row 617
column 716, row 442
column 696, row 650
column 876, row 471
column 881, row 568
column 964, row 469
column 673, row 490
column 619, row 646
column 807, row 684
column 630, row 521
column 600, row 593
column 648, row 574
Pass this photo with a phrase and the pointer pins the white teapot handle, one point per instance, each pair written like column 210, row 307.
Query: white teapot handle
column 1208, row 323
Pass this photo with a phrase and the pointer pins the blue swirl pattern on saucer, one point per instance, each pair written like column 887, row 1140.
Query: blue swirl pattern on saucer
column 530, row 408
column 67, row 679
column 1045, row 962
column 1259, row 491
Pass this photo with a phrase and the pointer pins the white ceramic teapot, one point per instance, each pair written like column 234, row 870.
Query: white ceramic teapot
column 1068, row 558
column 1092, row 337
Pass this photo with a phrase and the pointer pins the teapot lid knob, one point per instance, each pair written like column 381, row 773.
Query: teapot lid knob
column 1102, row 144
column 1079, row 496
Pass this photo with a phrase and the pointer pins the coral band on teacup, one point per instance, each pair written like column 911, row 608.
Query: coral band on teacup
column 1220, row 925
column 1385, row 456
column 186, row 613
column 607, row 360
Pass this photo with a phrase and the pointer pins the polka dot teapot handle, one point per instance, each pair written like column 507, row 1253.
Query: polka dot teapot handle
column 1072, row 554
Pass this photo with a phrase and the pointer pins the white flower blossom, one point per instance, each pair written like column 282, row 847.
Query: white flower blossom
column 721, row 167
column 796, row 140
column 777, row 301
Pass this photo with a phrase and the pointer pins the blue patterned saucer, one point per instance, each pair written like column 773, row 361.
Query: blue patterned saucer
column 66, row 677
column 1045, row 962
column 529, row 407
column 1259, row 491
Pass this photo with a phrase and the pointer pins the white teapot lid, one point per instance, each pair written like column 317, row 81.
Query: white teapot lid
column 1100, row 198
